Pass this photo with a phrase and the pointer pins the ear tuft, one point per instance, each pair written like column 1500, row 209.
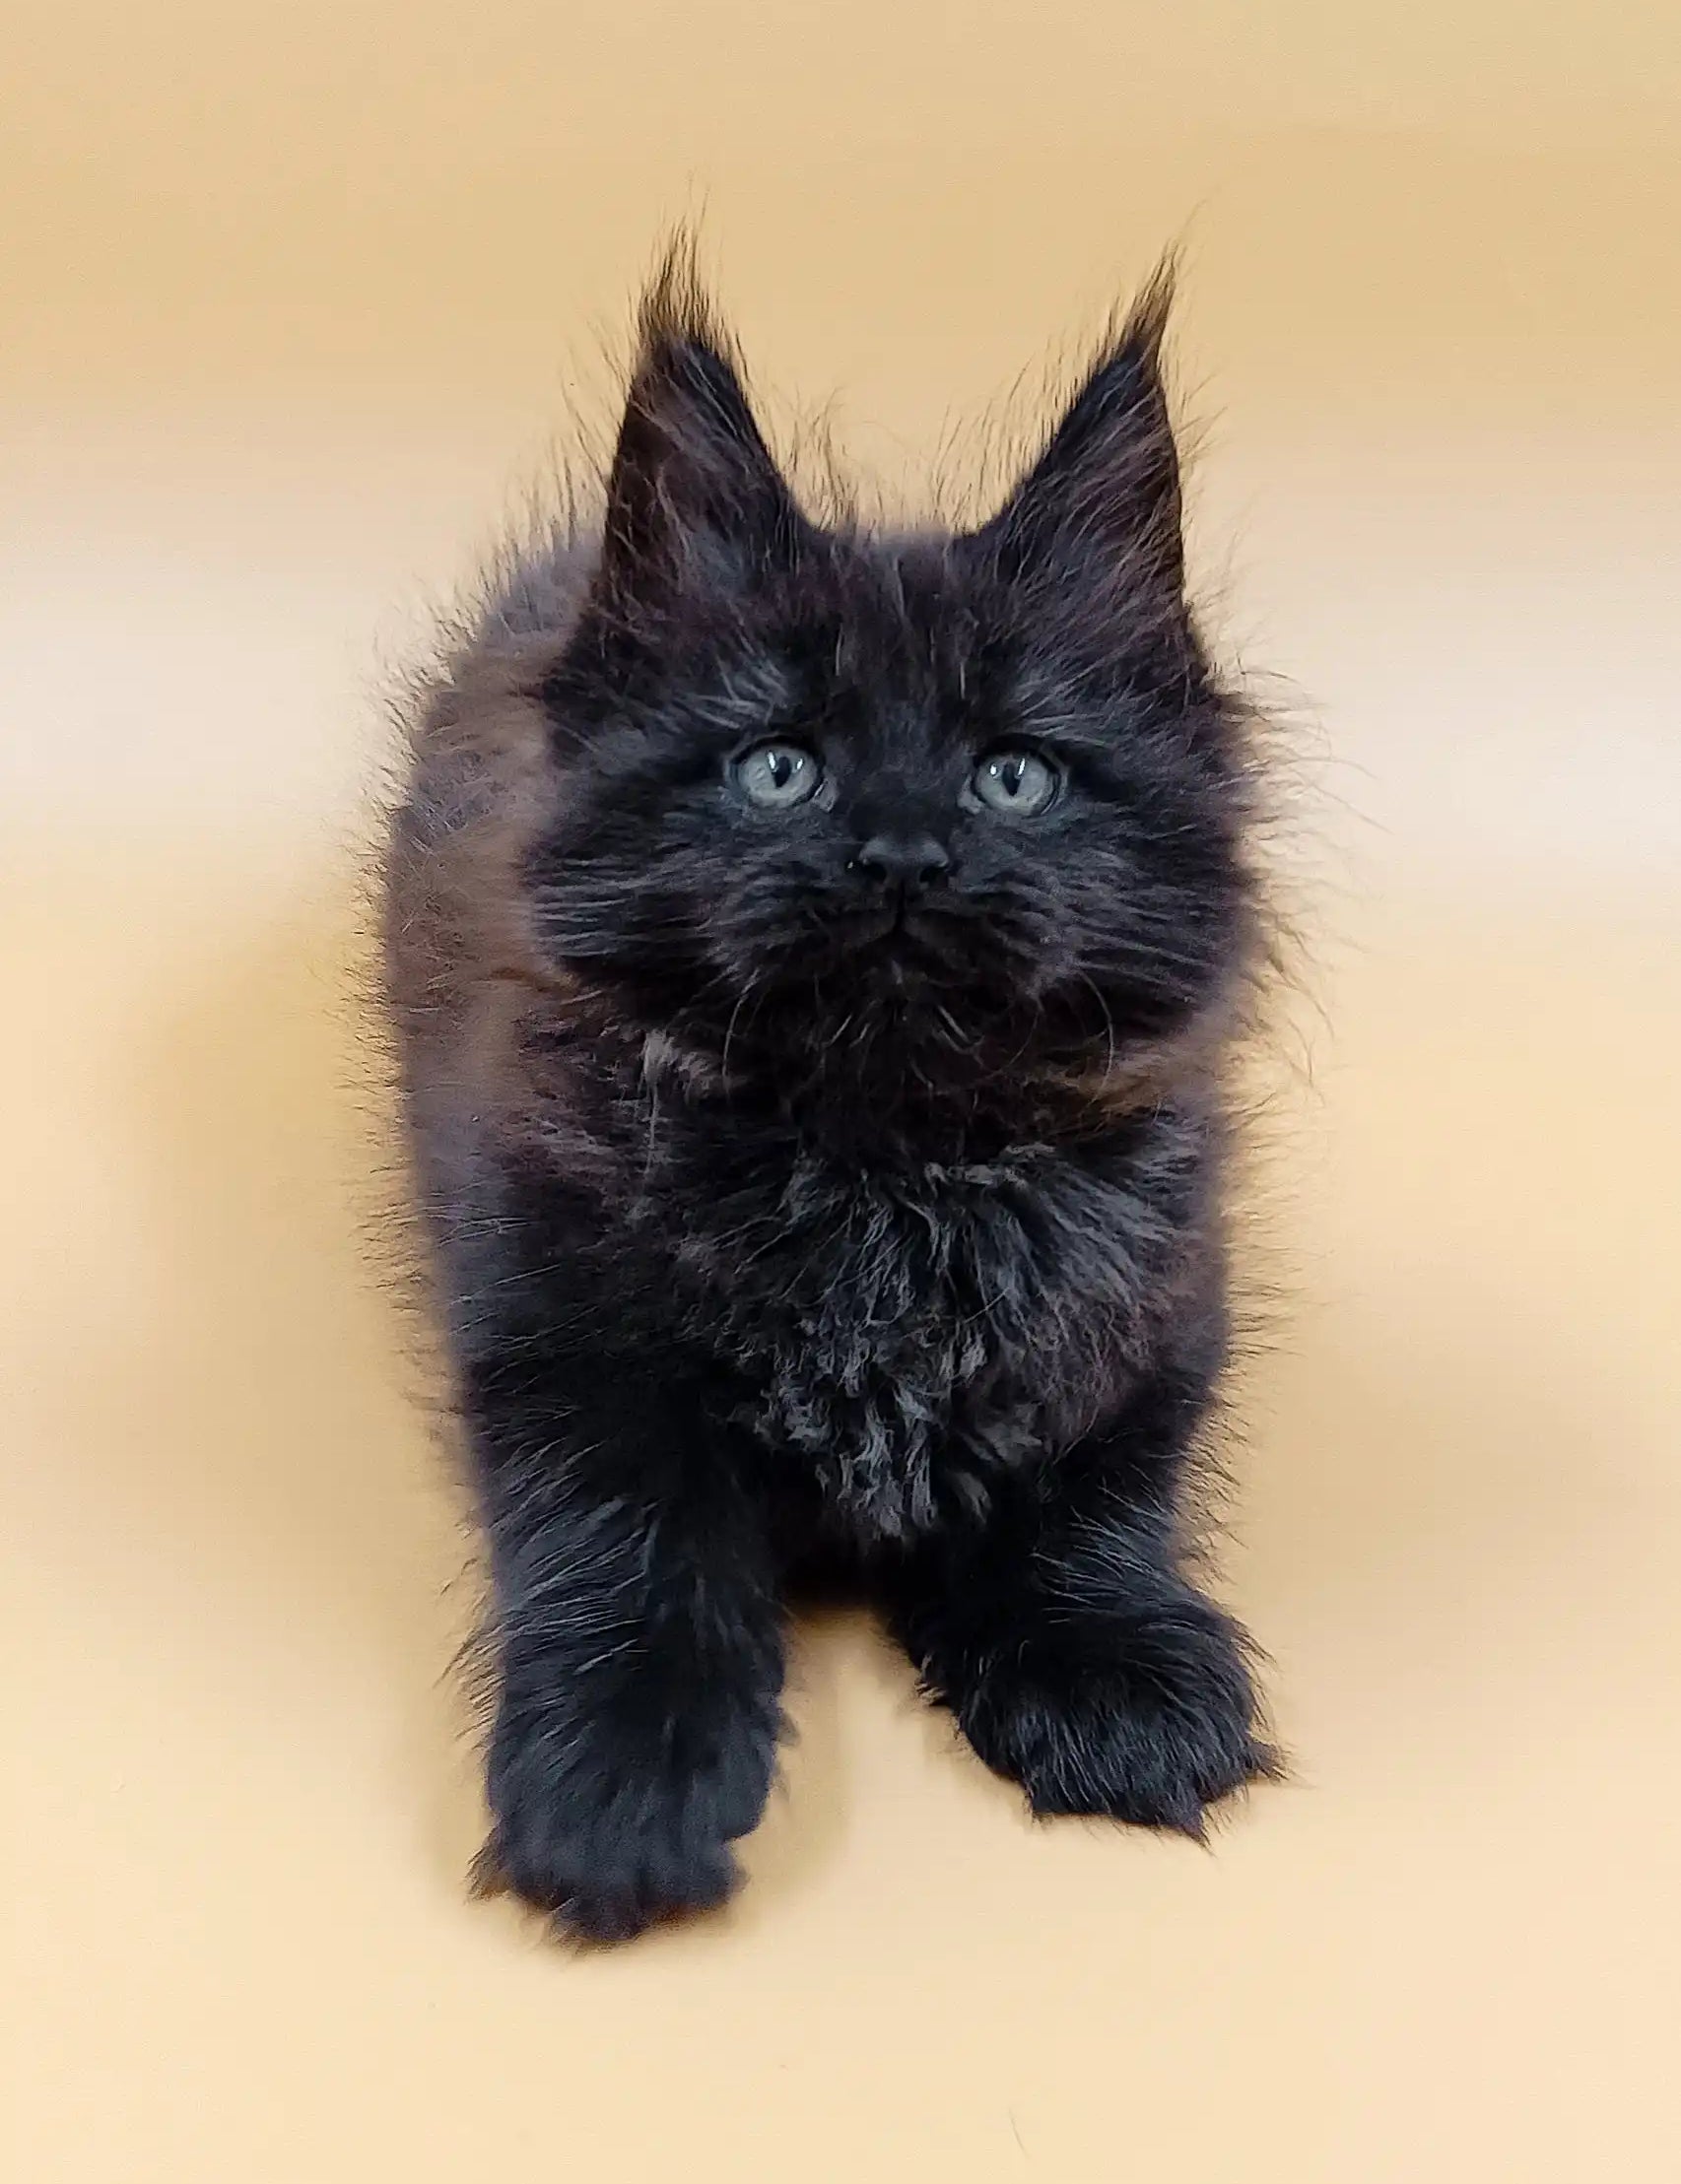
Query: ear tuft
column 693, row 493
column 676, row 313
column 1104, row 497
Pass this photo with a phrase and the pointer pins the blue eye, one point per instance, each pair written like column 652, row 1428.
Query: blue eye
column 1016, row 781
column 777, row 775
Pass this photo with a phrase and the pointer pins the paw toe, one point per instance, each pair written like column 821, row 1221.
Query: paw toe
column 591, row 1892
column 1156, row 1735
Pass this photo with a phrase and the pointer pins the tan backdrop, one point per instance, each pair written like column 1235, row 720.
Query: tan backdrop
column 296, row 297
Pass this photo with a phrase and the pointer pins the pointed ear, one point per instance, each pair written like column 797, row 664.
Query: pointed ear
column 694, row 496
column 1102, row 499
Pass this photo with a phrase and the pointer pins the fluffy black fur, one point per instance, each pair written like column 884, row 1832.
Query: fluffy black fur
column 838, row 1183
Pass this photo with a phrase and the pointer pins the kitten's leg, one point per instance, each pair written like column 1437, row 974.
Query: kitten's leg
column 1077, row 1657
column 639, row 1638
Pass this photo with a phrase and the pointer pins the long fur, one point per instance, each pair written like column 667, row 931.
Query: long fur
column 781, row 1222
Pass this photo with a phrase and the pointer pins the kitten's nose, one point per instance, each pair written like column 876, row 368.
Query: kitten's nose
column 911, row 860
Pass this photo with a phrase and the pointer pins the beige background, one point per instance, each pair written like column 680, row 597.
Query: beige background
column 294, row 296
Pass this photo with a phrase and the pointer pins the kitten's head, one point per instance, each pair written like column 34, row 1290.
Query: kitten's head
column 931, row 810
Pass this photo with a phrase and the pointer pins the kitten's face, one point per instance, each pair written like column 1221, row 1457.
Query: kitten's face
column 937, row 807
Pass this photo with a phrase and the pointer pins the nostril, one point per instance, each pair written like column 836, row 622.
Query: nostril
column 935, row 862
column 916, row 858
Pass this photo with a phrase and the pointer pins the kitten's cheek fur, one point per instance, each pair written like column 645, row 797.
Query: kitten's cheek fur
column 1152, row 1726
column 631, row 1846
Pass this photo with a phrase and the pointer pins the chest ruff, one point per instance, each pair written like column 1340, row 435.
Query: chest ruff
column 910, row 1336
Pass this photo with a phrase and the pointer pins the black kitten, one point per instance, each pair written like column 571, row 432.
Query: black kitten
column 813, row 955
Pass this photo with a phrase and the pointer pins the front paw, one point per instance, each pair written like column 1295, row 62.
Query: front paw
column 1149, row 1720
column 605, row 1843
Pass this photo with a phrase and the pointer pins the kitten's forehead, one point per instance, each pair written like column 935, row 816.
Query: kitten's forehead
column 906, row 633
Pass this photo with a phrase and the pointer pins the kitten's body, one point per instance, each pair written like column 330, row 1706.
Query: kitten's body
column 789, row 1202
